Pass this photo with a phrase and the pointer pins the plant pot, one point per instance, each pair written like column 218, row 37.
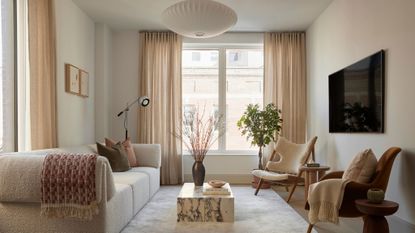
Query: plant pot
column 255, row 181
column 198, row 173
column 375, row 195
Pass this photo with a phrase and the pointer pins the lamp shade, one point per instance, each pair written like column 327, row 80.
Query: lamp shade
column 199, row 18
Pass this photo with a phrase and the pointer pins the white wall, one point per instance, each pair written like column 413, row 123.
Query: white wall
column 229, row 38
column 125, row 82
column 347, row 31
column 232, row 168
column 103, row 76
column 75, row 45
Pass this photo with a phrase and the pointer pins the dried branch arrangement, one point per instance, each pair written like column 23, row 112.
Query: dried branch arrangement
column 199, row 132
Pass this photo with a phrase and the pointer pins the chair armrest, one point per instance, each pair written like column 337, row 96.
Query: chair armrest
column 354, row 190
column 333, row 175
column 148, row 155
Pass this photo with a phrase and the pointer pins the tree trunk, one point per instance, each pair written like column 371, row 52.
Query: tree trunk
column 260, row 166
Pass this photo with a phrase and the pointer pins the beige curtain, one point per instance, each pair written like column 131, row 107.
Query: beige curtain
column 42, row 60
column 285, row 80
column 160, row 75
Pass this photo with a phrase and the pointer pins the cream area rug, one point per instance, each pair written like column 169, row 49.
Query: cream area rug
column 266, row 212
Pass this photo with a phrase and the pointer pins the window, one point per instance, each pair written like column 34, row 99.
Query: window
column 244, row 78
column 195, row 56
column 6, row 76
column 1, row 81
column 223, row 82
column 200, row 83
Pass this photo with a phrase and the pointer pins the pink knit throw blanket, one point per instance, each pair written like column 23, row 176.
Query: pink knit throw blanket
column 68, row 186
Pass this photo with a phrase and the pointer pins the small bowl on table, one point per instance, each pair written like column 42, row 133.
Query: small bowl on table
column 216, row 183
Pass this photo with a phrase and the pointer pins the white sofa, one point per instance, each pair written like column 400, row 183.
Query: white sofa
column 134, row 188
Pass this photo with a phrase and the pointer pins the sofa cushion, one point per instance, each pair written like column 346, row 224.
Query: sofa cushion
column 20, row 178
column 78, row 149
column 148, row 155
column 25, row 217
column 153, row 174
column 362, row 167
column 116, row 156
column 119, row 210
column 139, row 183
column 128, row 148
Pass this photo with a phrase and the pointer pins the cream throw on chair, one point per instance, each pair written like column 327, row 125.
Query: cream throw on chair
column 287, row 169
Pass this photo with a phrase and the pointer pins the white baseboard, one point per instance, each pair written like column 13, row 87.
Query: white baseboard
column 231, row 178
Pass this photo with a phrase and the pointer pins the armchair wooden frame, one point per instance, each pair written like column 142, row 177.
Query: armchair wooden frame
column 292, row 179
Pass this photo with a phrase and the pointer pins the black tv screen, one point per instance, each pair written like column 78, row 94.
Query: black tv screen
column 356, row 96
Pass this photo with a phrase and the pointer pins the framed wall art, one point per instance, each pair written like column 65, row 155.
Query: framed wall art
column 83, row 83
column 72, row 84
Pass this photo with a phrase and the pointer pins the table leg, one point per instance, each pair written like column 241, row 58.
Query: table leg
column 375, row 224
column 312, row 177
column 306, row 184
column 320, row 174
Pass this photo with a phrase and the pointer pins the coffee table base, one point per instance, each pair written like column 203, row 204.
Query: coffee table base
column 193, row 206
column 205, row 210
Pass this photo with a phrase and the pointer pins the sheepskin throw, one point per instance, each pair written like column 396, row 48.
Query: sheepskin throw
column 325, row 198
column 68, row 186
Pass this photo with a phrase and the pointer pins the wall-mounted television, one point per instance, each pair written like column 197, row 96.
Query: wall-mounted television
column 356, row 96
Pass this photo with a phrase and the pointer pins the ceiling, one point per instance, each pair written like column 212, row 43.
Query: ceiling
column 253, row 15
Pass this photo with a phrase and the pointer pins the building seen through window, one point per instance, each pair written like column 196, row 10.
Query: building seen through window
column 223, row 90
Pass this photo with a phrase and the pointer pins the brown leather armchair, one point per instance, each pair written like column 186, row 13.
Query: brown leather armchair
column 354, row 190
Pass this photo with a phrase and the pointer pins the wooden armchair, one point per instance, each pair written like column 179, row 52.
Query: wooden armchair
column 286, row 171
column 354, row 190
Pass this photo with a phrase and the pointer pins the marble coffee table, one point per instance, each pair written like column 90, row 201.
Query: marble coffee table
column 193, row 206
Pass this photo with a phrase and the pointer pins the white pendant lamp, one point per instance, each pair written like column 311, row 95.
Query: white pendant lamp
column 199, row 18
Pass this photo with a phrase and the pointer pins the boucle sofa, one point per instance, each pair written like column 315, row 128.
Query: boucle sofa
column 133, row 189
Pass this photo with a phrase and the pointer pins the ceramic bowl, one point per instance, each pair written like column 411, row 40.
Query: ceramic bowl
column 216, row 183
column 375, row 195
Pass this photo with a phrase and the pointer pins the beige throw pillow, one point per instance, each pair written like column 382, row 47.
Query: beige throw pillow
column 362, row 167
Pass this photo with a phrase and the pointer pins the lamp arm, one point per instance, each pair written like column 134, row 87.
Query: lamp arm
column 145, row 101
column 126, row 109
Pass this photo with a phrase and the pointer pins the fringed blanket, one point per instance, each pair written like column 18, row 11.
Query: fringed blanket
column 325, row 198
column 68, row 186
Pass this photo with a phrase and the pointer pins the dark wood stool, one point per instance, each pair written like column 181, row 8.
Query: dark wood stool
column 375, row 221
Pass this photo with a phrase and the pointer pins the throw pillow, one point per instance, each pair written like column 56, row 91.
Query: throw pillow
column 362, row 167
column 128, row 148
column 116, row 156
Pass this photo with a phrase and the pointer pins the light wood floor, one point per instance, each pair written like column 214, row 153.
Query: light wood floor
column 347, row 225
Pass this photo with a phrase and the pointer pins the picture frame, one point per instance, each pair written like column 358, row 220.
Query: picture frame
column 83, row 83
column 72, row 83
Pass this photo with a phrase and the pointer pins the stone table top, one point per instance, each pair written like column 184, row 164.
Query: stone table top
column 189, row 190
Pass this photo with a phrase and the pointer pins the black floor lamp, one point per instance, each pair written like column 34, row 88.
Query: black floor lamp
column 142, row 101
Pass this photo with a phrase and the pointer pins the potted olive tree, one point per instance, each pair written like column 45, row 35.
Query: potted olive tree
column 260, row 126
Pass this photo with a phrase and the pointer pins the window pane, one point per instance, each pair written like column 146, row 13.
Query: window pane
column 1, row 79
column 244, row 85
column 200, row 77
column 6, row 77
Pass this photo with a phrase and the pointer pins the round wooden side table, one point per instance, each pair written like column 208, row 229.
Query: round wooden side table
column 375, row 221
column 311, row 176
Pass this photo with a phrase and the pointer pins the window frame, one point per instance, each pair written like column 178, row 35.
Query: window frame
column 221, row 48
